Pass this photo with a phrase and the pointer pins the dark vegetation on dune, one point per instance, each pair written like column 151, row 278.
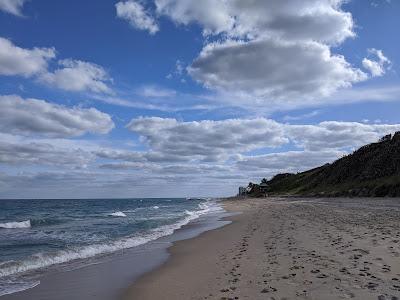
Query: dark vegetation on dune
column 371, row 171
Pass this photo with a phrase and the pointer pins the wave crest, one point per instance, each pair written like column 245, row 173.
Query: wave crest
column 43, row 260
column 14, row 225
column 118, row 214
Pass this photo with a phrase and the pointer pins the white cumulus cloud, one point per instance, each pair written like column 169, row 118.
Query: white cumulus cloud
column 136, row 15
column 25, row 62
column 207, row 140
column 377, row 63
column 269, row 51
column 221, row 140
column 270, row 69
column 212, row 15
column 290, row 161
column 38, row 117
column 337, row 135
column 321, row 20
column 72, row 75
column 12, row 6
column 77, row 76
column 17, row 151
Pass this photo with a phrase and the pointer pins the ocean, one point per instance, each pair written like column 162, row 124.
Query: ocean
column 36, row 235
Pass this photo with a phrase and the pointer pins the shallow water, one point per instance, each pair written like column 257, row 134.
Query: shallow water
column 41, row 234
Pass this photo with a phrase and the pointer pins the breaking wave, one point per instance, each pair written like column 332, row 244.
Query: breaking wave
column 15, row 225
column 117, row 214
column 43, row 260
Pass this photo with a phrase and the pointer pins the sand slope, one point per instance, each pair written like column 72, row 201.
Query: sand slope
column 287, row 249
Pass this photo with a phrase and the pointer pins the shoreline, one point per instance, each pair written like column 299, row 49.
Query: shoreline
column 286, row 249
column 106, row 277
column 182, row 251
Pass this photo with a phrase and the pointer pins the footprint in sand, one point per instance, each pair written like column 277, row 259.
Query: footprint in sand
column 396, row 287
column 268, row 290
column 372, row 285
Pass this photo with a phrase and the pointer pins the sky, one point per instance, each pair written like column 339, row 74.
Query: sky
column 186, row 98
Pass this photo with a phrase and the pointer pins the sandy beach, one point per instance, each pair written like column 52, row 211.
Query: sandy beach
column 286, row 249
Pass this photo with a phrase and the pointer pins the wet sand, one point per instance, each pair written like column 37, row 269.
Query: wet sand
column 287, row 249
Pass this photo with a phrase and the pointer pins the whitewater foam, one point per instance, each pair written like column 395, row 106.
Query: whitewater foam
column 43, row 260
column 117, row 214
column 8, row 287
column 16, row 225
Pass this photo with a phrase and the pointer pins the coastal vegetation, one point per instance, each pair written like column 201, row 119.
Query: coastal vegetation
column 371, row 171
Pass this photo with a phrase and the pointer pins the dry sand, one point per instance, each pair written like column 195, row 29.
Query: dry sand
column 287, row 249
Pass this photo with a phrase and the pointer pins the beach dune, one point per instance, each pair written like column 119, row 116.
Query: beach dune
column 286, row 249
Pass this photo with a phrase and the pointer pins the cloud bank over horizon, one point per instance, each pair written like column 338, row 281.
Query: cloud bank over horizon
column 206, row 151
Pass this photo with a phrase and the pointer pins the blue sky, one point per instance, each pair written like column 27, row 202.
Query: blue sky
column 185, row 98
